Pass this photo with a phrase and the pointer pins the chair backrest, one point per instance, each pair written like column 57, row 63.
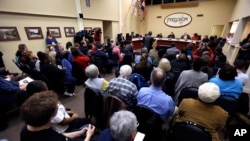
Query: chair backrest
column 228, row 103
column 93, row 105
column 40, row 76
column 189, row 131
column 111, row 104
column 150, row 123
column 24, row 68
column 188, row 92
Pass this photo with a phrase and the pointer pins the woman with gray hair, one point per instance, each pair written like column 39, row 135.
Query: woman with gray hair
column 93, row 82
column 123, row 127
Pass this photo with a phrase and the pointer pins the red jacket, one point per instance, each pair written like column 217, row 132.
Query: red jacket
column 82, row 60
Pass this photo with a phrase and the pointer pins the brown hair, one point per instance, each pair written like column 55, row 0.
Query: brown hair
column 38, row 109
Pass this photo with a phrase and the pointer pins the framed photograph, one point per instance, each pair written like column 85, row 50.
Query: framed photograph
column 69, row 31
column 34, row 33
column 9, row 34
column 55, row 31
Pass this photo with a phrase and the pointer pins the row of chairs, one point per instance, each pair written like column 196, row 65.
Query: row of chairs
column 102, row 108
column 228, row 103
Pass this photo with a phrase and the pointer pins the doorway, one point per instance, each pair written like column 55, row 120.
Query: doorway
column 107, row 30
column 217, row 30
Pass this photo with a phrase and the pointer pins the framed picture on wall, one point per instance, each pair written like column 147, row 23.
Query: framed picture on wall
column 69, row 31
column 55, row 31
column 9, row 34
column 34, row 33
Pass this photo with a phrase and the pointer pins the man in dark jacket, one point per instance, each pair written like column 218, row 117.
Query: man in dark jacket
column 148, row 41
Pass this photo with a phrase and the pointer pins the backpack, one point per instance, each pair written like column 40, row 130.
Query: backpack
column 138, row 80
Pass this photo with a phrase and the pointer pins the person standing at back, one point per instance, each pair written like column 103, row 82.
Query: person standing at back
column 148, row 40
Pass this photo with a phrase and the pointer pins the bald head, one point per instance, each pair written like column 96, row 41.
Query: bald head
column 158, row 77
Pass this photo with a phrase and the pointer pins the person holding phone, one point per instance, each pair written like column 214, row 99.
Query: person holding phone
column 37, row 111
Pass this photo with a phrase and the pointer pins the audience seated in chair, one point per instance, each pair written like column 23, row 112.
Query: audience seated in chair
column 8, row 90
column 243, row 77
column 127, row 90
column 143, row 67
column 197, row 110
column 38, row 127
column 153, row 53
column 102, row 61
column 28, row 58
column 154, row 98
column 227, row 83
column 168, row 86
column 203, row 47
column 206, row 67
column 122, row 126
column 190, row 78
column 56, row 76
column 138, row 57
column 94, row 82
column 21, row 48
column 81, row 60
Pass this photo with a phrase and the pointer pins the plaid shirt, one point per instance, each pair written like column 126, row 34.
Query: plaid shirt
column 125, row 90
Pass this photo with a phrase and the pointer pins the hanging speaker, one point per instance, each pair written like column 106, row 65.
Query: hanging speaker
column 81, row 15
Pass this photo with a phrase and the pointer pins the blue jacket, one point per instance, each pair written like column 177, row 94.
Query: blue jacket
column 8, row 89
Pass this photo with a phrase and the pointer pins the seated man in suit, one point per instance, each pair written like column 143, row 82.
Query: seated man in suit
column 171, row 35
column 185, row 36
column 154, row 98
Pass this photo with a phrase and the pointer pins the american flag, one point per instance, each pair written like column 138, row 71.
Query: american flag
column 139, row 7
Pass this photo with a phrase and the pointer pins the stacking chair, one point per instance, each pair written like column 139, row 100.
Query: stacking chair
column 228, row 103
column 111, row 105
column 94, row 106
column 150, row 123
column 189, row 131
column 188, row 92
column 24, row 68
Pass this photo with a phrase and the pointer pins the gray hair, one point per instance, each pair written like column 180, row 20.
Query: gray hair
column 165, row 64
column 122, row 125
column 92, row 71
column 125, row 71
column 158, row 77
